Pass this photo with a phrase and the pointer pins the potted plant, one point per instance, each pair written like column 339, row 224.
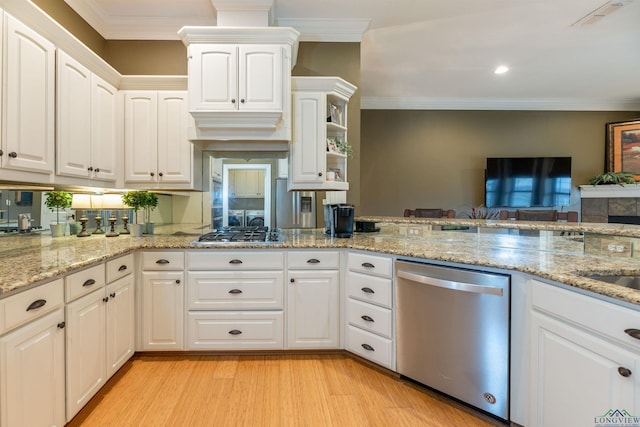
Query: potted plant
column 612, row 178
column 136, row 200
column 151, row 202
column 58, row 200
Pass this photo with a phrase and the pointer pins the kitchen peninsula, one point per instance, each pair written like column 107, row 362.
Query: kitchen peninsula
column 544, row 268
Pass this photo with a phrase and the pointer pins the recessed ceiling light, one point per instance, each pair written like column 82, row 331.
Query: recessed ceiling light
column 501, row 69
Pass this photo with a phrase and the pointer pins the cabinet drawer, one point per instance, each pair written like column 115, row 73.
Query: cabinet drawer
column 235, row 260
column 84, row 282
column 370, row 317
column 588, row 312
column 235, row 290
column 119, row 267
column 235, row 330
column 371, row 264
column 316, row 260
column 163, row 260
column 15, row 309
column 375, row 290
column 370, row 346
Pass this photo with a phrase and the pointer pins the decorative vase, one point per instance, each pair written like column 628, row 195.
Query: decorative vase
column 58, row 230
column 136, row 230
column 75, row 228
column 149, row 227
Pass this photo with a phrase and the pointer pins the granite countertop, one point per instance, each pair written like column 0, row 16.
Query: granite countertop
column 30, row 259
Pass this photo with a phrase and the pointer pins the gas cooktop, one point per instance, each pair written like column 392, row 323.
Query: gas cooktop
column 240, row 234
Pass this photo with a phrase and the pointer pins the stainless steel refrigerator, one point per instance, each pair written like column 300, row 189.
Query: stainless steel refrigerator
column 294, row 209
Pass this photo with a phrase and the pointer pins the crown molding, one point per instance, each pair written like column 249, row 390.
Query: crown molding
column 327, row 30
column 538, row 104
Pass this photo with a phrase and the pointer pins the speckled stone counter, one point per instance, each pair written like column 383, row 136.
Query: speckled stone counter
column 28, row 260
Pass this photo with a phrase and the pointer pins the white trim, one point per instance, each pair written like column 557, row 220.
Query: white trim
column 609, row 191
column 551, row 104
column 327, row 30
column 153, row 83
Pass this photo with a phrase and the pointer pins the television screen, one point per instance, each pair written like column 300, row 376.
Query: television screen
column 523, row 182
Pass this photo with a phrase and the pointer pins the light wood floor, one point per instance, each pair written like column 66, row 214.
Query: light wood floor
column 274, row 390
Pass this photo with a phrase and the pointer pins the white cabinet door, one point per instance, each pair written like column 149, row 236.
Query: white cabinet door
column 577, row 377
column 162, row 310
column 32, row 373
column 120, row 331
column 307, row 149
column 141, row 136
column 213, row 77
column 104, row 130
column 29, row 100
column 175, row 151
column 73, row 156
column 86, row 366
column 260, row 77
column 313, row 313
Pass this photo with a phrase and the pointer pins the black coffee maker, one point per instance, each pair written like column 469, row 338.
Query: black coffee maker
column 339, row 220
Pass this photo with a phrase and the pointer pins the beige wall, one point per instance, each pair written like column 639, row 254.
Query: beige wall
column 341, row 60
column 68, row 18
column 436, row 159
column 147, row 57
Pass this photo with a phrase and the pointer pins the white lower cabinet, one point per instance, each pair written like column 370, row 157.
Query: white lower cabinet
column 162, row 310
column 370, row 330
column 32, row 357
column 100, row 329
column 32, row 373
column 581, row 370
column 235, row 300
column 313, row 300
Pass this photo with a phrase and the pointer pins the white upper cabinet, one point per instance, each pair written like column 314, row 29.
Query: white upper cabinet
column 87, row 123
column 319, row 125
column 240, row 90
column 157, row 150
column 28, row 132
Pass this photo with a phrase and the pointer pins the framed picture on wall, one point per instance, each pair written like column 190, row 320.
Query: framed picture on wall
column 623, row 147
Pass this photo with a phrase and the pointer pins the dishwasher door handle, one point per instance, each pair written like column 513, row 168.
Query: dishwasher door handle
column 449, row 284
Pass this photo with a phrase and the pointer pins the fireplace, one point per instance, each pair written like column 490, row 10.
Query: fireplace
column 610, row 203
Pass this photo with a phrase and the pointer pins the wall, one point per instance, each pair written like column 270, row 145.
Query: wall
column 68, row 18
column 147, row 57
column 436, row 159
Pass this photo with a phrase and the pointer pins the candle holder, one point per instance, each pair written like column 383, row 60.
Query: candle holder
column 99, row 229
column 112, row 226
column 83, row 222
column 125, row 224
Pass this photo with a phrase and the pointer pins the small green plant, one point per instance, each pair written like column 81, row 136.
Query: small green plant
column 342, row 147
column 151, row 202
column 611, row 178
column 56, row 200
column 136, row 200
column 482, row 212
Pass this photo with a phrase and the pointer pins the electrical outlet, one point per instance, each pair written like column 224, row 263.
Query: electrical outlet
column 616, row 247
column 414, row 231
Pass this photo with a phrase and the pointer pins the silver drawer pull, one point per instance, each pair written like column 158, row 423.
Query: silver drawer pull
column 313, row 261
column 235, row 291
column 368, row 265
column 635, row 333
column 37, row 304
column 235, row 332
column 368, row 290
column 235, row 261
column 368, row 347
column 367, row 318
column 162, row 261
column 89, row 282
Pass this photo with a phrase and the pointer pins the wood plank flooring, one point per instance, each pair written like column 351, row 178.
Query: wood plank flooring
column 273, row 390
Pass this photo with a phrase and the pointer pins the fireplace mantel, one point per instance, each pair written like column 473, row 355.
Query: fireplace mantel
column 609, row 191
column 609, row 203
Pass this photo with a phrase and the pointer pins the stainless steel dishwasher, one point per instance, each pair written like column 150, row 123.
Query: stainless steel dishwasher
column 453, row 332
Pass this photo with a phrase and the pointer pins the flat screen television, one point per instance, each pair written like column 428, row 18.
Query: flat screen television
column 524, row 182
